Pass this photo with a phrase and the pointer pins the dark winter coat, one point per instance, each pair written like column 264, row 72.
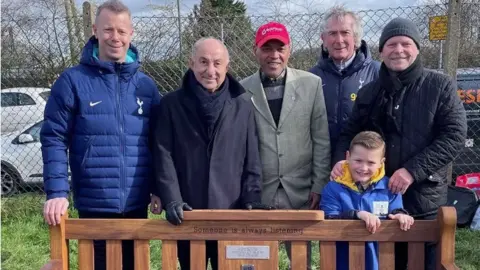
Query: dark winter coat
column 219, row 173
column 425, row 128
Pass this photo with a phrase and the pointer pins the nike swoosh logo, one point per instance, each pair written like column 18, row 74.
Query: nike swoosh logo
column 94, row 103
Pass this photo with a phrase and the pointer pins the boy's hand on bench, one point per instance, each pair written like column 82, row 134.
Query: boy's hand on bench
column 372, row 222
column 405, row 221
column 54, row 209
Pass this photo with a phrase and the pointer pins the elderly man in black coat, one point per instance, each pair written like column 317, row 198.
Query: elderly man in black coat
column 422, row 120
column 205, row 144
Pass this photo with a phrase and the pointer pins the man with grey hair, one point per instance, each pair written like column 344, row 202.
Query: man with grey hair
column 97, row 119
column 205, row 145
column 345, row 66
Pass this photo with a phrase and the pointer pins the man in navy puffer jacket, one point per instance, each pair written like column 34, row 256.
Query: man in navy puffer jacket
column 345, row 66
column 100, row 112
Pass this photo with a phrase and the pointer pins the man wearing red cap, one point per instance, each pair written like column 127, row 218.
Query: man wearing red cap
column 292, row 125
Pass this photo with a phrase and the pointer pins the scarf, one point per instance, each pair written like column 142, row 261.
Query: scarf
column 392, row 82
column 347, row 180
column 210, row 105
column 393, row 86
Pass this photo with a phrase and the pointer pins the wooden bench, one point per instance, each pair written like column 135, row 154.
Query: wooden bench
column 254, row 228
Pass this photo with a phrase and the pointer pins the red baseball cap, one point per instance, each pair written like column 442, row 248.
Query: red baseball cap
column 270, row 31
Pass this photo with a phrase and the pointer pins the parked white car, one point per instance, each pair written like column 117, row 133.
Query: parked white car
column 22, row 106
column 21, row 159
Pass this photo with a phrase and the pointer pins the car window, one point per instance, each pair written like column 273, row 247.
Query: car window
column 24, row 99
column 35, row 130
column 45, row 95
column 9, row 99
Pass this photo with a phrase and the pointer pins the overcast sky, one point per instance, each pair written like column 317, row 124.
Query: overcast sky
column 141, row 6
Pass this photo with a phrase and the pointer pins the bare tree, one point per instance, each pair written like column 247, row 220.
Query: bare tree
column 38, row 39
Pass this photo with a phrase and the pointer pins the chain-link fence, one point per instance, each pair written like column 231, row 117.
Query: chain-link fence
column 36, row 50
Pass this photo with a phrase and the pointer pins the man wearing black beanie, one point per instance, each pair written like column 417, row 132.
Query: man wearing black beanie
column 422, row 120
column 400, row 27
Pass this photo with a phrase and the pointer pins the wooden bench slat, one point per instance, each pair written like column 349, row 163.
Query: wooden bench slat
column 85, row 254
column 299, row 255
column 331, row 230
column 356, row 252
column 198, row 255
column 416, row 255
column 386, row 255
column 169, row 254
column 235, row 215
column 114, row 254
column 142, row 254
column 328, row 256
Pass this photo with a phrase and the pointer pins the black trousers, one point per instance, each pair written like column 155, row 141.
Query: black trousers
column 211, row 252
column 99, row 246
column 401, row 251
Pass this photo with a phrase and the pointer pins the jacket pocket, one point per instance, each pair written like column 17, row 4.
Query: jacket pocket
column 87, row 153
column 439, row 176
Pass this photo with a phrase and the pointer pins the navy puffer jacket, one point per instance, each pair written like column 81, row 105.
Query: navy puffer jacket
column 100, row 112
column 340, row 87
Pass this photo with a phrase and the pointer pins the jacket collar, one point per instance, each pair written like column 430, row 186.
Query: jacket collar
column 127, row 69
column 259, row 99
column 362, row 58
column 346, row 178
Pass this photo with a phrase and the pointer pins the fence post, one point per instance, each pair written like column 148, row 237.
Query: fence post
column 71, row 35
column 88, row 19
column 452, row 50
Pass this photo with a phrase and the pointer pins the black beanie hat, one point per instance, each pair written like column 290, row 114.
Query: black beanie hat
column 400, row 27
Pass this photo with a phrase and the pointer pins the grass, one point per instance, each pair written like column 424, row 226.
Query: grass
column 25, row 239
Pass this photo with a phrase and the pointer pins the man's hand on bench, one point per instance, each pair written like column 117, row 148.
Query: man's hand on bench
column 54, row 209
column 174, row 212
column 155, row 205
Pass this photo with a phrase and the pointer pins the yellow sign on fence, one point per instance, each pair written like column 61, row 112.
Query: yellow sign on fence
column 438, row 27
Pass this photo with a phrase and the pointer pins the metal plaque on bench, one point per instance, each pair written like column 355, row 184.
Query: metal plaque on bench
column 248, row 252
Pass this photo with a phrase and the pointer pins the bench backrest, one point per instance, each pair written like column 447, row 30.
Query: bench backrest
column 297, row 226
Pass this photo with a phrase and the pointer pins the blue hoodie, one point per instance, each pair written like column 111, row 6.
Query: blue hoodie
column 340, row 87
column 100, row 112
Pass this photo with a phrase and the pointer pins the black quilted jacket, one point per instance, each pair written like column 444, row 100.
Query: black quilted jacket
column 432, row 129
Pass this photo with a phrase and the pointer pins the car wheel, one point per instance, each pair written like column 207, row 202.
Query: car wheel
column 10, row 181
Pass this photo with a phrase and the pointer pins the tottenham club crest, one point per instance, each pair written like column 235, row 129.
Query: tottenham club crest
column 361, row 83
column 140, row 103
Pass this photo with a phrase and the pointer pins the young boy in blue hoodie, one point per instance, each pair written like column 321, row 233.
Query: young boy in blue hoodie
column 362, row 193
